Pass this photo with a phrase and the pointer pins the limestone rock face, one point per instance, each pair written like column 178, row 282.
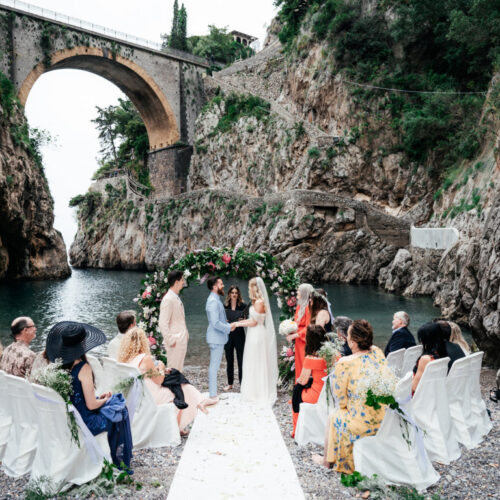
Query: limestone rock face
column 30, row 247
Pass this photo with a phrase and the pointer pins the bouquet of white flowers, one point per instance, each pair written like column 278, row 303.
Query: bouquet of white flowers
column 288, row 327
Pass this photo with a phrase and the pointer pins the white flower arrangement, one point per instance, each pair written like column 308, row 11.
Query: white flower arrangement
column 381, row 383
column 287, row 327
column 186, row 274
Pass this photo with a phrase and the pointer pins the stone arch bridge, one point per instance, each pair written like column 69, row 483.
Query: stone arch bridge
column 165, row 86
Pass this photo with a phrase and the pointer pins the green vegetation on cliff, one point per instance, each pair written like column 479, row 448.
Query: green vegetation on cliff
column 435, row 50
column 124, row 140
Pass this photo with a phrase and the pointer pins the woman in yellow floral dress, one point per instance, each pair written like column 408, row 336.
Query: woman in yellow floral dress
column 352, row 419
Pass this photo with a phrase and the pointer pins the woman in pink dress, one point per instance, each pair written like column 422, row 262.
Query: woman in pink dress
column 134, row 350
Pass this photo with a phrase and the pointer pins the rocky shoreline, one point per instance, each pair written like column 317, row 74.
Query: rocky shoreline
column 475, row 475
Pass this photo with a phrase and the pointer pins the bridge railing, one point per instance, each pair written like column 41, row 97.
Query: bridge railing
column 97, row 28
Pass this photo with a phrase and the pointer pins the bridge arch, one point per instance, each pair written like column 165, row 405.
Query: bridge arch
column 133, row 80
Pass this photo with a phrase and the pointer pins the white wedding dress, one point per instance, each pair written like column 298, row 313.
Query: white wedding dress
column 260, row 359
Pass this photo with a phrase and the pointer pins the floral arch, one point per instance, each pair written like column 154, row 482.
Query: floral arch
column 198, row 266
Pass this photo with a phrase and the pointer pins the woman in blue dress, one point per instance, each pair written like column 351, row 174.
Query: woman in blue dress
column 69, row 341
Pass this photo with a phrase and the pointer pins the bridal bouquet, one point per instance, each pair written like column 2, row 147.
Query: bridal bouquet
column 288, row 327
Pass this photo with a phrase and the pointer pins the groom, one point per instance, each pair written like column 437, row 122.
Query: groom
column 217, row 331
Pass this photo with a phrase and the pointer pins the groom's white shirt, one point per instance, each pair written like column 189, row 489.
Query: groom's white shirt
column 218, row 327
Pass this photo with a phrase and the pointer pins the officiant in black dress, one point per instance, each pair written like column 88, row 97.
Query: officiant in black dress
column 236, row 309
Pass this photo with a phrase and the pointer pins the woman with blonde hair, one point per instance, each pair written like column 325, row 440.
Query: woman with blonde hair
column 457, row 338
column 260, row 358
column 135, row 351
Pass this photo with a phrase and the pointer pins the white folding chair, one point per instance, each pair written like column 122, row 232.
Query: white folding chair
column 395, row 361
column 389, row 455
column 109, row 378
column 430, row 410
column 457, row 386
column 153, row 426
column 5, row 416
column 313, row 419
column 479, row 424
column 23, row 434
column 98, row 371
column 410, row 358
column 57, row 456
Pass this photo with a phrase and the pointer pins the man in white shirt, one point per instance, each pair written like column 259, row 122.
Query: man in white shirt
column 172, row 322
column 125, row 321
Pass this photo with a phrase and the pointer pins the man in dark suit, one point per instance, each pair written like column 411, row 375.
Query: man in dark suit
column 401, row 337
column 454, row 351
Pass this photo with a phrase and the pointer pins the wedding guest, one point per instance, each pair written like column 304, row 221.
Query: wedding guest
column 124, row 321
column 310, row 382
column 217, row 331
column 434, row 347
column 453, row 351
column 17, row 358
column 457, row 338
column 302, row 318
column 322, row 292
column 353, row 419
column 341, row 326
column 235, row 310
column 401, row 337
column 319, row 311
column 172, row 322
column 70, row 341
column 136, row 352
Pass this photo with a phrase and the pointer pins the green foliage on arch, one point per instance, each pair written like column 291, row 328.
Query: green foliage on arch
column 197, row 267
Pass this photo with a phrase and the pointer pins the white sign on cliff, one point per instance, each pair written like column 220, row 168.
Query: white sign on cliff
column 435, row 238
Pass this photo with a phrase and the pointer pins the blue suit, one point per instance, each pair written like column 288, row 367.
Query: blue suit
column 217, row 335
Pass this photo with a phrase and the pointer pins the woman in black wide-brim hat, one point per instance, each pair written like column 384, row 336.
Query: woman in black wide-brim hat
column 68, row 341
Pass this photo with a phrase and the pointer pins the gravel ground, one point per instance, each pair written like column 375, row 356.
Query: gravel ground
column 475, row 475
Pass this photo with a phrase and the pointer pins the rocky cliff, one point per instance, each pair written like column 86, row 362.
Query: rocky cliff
column 289, row 159
column 30, row 247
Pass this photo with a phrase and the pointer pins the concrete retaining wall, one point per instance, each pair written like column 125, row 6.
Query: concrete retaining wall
column 436, row 238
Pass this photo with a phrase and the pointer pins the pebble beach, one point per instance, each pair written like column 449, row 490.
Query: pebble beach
column 475, row 475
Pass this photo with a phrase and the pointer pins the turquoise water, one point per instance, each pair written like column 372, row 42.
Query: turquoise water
column 97, row 296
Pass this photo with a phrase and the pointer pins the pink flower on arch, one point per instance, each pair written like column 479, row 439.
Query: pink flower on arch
column 291, row 302
column 211, row 265
column 146, row 294
column 226, row 258
column 289, row 352
column 152, row 341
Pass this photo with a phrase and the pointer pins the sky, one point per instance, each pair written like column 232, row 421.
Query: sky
column 71, row 160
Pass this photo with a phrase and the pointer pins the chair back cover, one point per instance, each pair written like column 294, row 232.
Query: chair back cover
column 395, row 361
column 458, row 389
column 109, row 374
column 431, row 412
column 410, row 358
column 5, row 416
column 21, row 446
column 480, row 422
column 153, row 426
column 98, row 371
column 57, row 456
column 393, row 453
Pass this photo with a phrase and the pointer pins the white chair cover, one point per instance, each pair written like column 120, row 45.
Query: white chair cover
column 23, row 435
column 395, row 361
column 153, row 426
column 458, row 388
column 5, row 416
column 98, row 371
column 480, row 424
column 313, row 419
column 430, row 410
column 410, row 358
column 388, row 455
column 57, row 456
column 109, row 378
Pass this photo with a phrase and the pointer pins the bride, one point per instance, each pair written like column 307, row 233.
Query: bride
column 260, row 358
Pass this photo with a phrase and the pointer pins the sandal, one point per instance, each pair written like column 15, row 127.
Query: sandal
column 227, row 388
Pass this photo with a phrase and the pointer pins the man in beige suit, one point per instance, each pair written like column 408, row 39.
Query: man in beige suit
column 173, row 322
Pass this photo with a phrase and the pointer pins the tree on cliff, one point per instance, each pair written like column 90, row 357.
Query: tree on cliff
column 124, row 140
column 178, row 34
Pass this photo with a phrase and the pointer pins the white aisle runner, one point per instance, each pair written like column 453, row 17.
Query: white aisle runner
column 235, row 452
